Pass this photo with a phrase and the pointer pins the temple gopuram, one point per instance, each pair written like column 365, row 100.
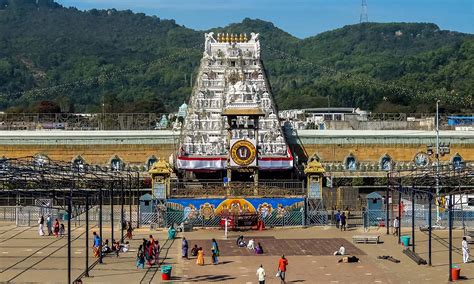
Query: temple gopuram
column 232, row 125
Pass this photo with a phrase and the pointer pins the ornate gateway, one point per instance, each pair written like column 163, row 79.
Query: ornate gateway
column 232, row 101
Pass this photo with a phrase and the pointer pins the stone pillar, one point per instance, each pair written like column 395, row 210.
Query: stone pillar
column 229, row 178
column 255, row 181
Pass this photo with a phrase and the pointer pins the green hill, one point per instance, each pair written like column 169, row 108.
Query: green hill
column 135, row 63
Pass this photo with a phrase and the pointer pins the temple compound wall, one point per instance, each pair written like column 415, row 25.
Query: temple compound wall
column 338, row 151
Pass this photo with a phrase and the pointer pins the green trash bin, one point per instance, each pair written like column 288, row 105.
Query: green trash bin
column 171, row 234
column 65, row 216
column 405, row 240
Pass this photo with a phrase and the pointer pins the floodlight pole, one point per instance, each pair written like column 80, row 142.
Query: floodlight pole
column 450, row 216
column 413, row 218
column 430, row 200
column 86, row 274
column 387, row 208
column 69, row 211
column 112, row 211
column 437, row 159
column 122, row 217
column 138, row 200
column 130, row 197
column 399, row 215
column 100, row 225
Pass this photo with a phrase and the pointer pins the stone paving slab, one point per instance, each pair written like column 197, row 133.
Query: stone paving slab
column 277, row 247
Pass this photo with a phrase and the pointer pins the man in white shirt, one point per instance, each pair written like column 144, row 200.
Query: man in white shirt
column 341, row 251
column 465, row 250
column 261, row 275
column 396, row 224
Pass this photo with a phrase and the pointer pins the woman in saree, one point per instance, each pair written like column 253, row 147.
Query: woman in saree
column 129, row 231
column 156, row 250
column 56, row 228
column 200, row 257
column 215, row 249
column 184, row 248
column 150, row 252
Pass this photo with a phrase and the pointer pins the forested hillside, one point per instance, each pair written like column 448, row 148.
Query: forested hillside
column 130, row 62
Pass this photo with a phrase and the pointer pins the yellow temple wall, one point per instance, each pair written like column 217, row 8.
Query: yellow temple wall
column 136, row 147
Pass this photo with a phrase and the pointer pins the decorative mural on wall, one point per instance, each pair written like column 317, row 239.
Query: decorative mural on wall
column 211, row 207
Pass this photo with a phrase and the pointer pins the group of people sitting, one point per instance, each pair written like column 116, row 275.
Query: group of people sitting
column 240, row 242
column 116, row 247
column 148, row 251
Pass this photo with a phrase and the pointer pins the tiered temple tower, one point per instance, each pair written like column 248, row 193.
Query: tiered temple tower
column 231, row 103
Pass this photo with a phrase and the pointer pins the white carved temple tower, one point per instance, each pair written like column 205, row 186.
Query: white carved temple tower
column 231, row 85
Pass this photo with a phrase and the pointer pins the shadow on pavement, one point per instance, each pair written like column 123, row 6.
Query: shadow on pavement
column 210, row 278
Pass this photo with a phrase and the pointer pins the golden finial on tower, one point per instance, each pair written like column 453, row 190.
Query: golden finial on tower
column 241, row 39
column 227, row 38
column 245, row 37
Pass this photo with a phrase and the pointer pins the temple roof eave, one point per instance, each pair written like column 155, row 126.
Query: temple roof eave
column 243, row 111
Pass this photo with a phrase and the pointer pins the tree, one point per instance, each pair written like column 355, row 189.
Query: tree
column 46, row 107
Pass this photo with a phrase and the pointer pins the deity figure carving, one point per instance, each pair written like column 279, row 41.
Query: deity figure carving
column 254, row 37
column 209, row 39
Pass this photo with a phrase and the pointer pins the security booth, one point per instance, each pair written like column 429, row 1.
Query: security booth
column 146, row 203
column 375, row 215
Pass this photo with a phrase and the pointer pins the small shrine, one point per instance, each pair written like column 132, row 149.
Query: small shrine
column 182, row 111
column 160, row 173
column 315, row 173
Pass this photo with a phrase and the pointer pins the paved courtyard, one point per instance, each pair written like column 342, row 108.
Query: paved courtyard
column 26, row 257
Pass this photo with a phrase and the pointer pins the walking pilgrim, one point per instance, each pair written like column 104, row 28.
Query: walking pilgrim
column 40, row 225
column 465, row 250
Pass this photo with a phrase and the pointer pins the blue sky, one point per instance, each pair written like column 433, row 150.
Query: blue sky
column 301, row 18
